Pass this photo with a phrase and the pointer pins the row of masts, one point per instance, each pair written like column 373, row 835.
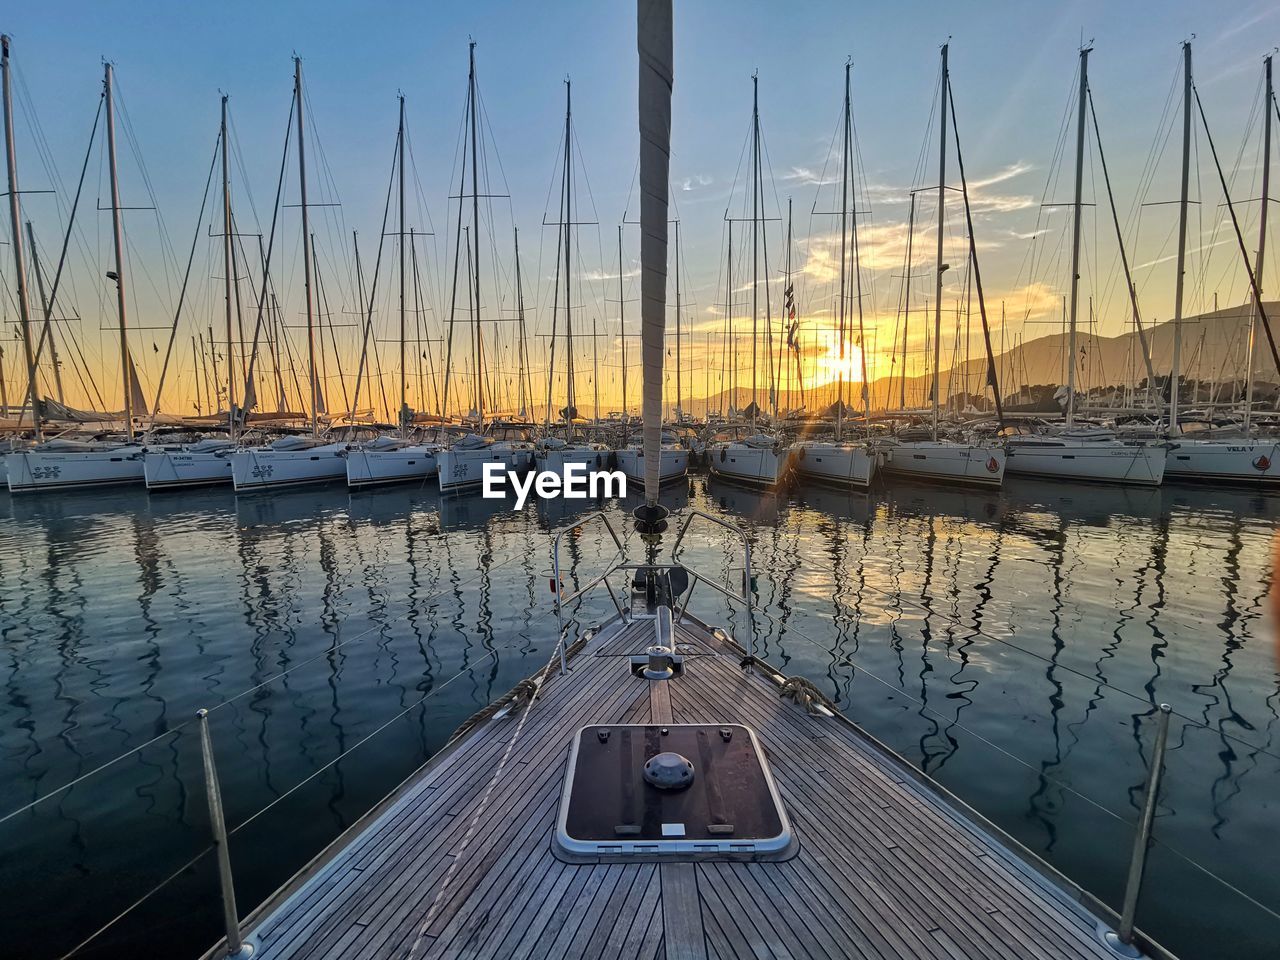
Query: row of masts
column 849, row 300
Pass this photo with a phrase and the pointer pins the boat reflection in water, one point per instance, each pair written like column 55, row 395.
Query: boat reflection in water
column 755, row 505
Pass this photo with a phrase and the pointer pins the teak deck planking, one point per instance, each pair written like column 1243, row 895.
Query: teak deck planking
column 886, row 868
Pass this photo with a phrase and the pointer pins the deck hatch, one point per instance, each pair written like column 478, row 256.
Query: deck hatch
column 730, row 810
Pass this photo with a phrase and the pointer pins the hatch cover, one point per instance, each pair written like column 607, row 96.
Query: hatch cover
column 610, row 809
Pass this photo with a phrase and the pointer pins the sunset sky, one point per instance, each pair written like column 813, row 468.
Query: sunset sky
column 1013, row 71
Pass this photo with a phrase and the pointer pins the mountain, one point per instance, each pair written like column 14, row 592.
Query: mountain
column 1214, row 347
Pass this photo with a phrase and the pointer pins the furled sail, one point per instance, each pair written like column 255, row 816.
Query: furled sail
column 137, row 400
column 653, row 41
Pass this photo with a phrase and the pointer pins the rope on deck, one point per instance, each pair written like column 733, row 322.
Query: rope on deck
column 805, row 693
column 535, row 687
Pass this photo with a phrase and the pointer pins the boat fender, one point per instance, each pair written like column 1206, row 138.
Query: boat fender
column 801, row 454
column 678, row 581
column 724, row 452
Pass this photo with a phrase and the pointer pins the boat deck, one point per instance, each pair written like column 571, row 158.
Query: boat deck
column 885, row 868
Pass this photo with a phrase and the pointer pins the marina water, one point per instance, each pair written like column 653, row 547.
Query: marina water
column 1011, row 644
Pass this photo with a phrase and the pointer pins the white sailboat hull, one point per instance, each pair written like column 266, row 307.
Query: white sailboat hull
column 30, row 471
column 171, row 468
column 367, row 468
column 1098, row 461
column 946, row 462
column 556, row 460
column 756, row 466
column 846, row 464
column 1225, row 461
column 464, row 469
column 672, row 465
column 261, row 468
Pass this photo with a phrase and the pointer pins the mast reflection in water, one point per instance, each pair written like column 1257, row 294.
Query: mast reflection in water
column 1010, row 643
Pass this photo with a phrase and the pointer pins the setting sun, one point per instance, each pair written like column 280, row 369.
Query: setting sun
column 828, row 365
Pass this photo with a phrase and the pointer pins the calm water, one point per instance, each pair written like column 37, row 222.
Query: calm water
column 1010, row 644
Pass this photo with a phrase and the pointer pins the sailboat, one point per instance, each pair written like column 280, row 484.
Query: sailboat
column 62, row 463
column 564, row 444
column 173, row 466
column 1089, row 453
column 842, row 461
column 629, row 800
column 1244, row 457
column 748, row 453
column 401, row 458
column 462, row 463
column 294, row 460
column 931, row 455
column 673, row 457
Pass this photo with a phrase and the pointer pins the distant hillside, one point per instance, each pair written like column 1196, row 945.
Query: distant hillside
column 1214, row 347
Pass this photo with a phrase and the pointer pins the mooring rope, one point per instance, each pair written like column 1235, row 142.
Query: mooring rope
column 536, row 682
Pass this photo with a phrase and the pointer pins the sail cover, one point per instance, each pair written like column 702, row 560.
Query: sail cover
column 653, row 40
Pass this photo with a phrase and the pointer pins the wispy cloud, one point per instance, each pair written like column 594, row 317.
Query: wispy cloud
column 1173, row 256
column 599, row 276
column 808, row 177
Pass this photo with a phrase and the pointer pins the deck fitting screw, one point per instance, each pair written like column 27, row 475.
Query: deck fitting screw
column 603, row 735
column 665, row 731
column 726, row 735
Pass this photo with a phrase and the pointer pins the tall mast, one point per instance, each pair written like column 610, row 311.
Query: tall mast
column 306, row 254
column 117, row 229
column 475, row 234
column 457, row 257
column 906, row 304
column 1182, row 238
column 1075, row 238
column 787, row 300
column 523, row 354
column 227, row 269
column 939, row 266
column 595, row 368
column 1262, row 244
column 755, row 233
column 622, row 328
column 844, row 243
column 857, row 267
column 679, row 365
column 403, row 416
column 655, row 48
column 570, row 410
column 732, row 346
column 19, row 259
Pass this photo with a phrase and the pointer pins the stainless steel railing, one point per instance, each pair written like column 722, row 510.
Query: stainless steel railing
column 558, row 587
column 618, row 563
column 696, row 578
column 1121, row 940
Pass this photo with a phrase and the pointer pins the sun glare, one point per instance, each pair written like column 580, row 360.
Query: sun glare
column 828, row 366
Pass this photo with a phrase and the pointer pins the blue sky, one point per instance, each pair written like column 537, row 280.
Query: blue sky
column 1012, row 71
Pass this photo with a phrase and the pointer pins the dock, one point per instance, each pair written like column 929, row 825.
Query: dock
column 460, row 861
